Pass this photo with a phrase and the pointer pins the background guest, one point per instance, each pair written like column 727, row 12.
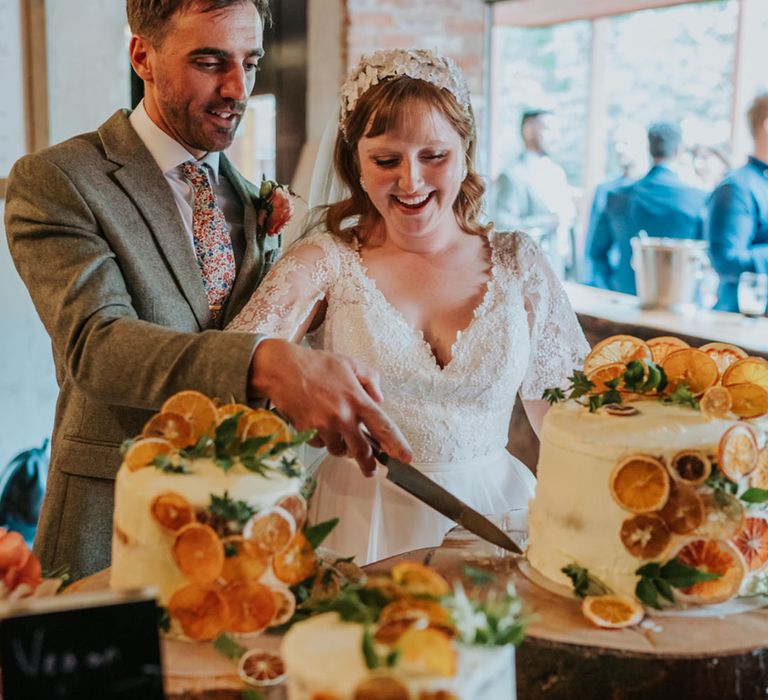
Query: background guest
column 660, row 204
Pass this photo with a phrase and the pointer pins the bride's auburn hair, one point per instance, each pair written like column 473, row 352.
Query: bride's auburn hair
column 381, row 108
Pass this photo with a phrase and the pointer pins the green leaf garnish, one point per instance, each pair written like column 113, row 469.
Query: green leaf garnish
column 479, row 577
column 317, row 533
column 226, row 646
column 251, row 694
column 369, row 653
column 755, row 495
column 291, row 467
column 126, row 445
column 200, row 449
column 681, row 395
column 553, row 395
column 164, row 464
column 719, row 482
column 584, row 583
column 233, row 511
column 658, row 580
column 163, row 619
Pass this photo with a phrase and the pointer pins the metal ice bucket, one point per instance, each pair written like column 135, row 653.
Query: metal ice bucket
column 668, row 271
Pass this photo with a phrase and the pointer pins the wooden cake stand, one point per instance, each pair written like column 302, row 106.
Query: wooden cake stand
column 563, row 656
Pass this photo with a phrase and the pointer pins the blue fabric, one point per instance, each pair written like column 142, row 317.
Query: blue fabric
column 737, row 228
column 660, row 204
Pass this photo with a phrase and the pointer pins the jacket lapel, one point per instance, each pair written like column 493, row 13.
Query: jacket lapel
column 147, row 187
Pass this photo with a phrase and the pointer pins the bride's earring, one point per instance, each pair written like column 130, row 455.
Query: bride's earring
column 362, row 184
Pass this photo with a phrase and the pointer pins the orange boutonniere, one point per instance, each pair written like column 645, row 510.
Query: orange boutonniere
column 274, row 207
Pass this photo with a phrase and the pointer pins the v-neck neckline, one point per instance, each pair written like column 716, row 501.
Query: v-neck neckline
column 460, row 333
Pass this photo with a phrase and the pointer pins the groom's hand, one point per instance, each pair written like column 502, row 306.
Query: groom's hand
column 331, row 393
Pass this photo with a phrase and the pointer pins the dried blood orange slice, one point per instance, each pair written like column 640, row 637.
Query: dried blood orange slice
column 296, row 562
column 616, row 348
column 645, row 536
column 690, row 466
column 716, row 402
column 270, row 530
column 640, row 483
column 261, row 668
column 198, row 552
column 197, row 408
column 381, row 688
column 285, row 605
column 752, row 542
column 143, row 452
column 201, row 611
column 297, row 507
column 172, row 511
column 737, row 453
column 251, row 605
column 748, row 400
column 418, row 579
column 263, row 423
column 427, row 651
column 415, row 608
column 684, row 510
column 612, row 611
column 691, row 367
column 241, row 560
column 723, row 516
column 663, row 346
column 713, row 556
column 724, row 354
column 230, row 409
column 170, row 426
column 606, row 373
column 759, row 478
column 750, row 370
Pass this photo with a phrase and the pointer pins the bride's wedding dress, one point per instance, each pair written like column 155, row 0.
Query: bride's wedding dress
column 523, row 337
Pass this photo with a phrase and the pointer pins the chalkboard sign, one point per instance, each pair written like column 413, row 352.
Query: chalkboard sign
column 86, row 646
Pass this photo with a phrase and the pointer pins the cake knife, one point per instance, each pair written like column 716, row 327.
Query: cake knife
column 435, row 496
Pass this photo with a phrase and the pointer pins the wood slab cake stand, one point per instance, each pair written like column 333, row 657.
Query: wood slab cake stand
column 562, row 658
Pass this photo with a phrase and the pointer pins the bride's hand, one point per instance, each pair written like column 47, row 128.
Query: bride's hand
column 331, row 393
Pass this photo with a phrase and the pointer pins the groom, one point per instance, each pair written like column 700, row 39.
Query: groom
column 133, row 284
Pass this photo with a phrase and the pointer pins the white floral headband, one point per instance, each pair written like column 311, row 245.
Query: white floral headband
column 420, row 64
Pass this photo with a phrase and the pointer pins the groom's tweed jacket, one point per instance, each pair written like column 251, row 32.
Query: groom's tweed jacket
column 96, row 236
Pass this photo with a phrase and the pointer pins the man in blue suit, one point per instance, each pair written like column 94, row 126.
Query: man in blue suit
column 660, row 204
column 738, row 214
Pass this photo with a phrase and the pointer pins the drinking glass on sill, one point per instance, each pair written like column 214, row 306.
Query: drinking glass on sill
column 752, row 293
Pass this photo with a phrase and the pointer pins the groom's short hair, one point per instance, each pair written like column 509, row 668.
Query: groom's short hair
column 150, row 18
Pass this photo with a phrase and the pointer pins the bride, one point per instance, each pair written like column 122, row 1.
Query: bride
column 401, row 275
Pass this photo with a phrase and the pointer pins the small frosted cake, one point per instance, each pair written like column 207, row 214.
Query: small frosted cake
column 414, row 648
column 209, row 510
column 652, row 477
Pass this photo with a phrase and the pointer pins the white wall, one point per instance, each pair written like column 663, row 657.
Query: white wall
column 88, row 79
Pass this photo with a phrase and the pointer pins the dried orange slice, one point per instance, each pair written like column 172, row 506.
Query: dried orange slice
column 621, row 410
column 143, row 452
column 748, row 400
column 324, row 695
column 690, row 366
column 201, row 610
column 414, row 609
column 723, row 516
column 198, row 552
column 261, row 668
column 230, row 409
column 285, row 605
column 241, row 561
column 606, row 373
column 616, row 348
column 170, row 426
column 296, row 562
column 690, row 466
column 197, row 408
column 390, row 631
column 385, row 586
column 738, row 452
column 724, row 354
column 251, row 605
column 750, row 370
column 427, row 651
column 663, row 346
column 262, row 423
column 270, row 530
column 612, row 611
column 752, row 542
column 716, row 402
column 713, row 556
column 640, row 483
column 172, row 511
column 759, row 478
column 645, row 536
column 418, row 579
column 381, row 688
column 297, row 507
column 684, row 510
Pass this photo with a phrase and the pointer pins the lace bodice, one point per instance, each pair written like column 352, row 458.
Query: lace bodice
column 523, row 337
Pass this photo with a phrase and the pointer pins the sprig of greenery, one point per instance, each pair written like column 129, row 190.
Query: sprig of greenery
column 372, row 658
column 164, row 464
column 719, row 482
column 479, row 577
column 754, row 495
column 657, row 581
column 584, row 583
column 317, row 533
column 681, row 395
column 250, row 694
column 226, row 646
column 495, row 620
column 235, row 512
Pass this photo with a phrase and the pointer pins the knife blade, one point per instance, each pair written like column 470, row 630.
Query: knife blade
column 435, row 496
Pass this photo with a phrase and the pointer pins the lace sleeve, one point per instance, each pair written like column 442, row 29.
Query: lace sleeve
column 282, row 303
column 558, row 345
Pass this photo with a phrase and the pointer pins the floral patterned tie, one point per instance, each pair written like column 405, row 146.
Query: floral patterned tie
column 213, row 245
